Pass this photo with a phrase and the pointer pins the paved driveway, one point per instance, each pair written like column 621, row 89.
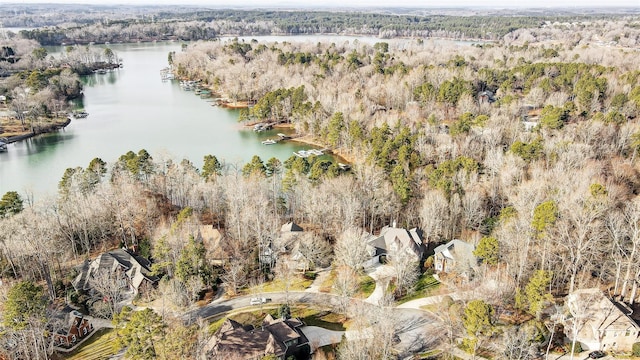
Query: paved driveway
column 382, row 274
column 319, row 337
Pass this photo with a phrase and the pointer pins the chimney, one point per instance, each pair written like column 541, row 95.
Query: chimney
column 394, row 224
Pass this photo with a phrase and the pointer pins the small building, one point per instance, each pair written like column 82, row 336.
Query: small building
column 393, row 239
column 280, row 337
column 486, row 97
column 599, row 323
column 456, row 256
column 130, row 270
column 76, row 327
column 290, row 227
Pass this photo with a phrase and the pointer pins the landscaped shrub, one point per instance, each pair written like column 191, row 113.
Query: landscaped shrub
column 635, row 349
column 576, row 350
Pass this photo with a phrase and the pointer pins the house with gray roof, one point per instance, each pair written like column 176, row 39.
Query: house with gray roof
column 456, row 256
column 280, row 337
column 130, row 270
column 393, row 239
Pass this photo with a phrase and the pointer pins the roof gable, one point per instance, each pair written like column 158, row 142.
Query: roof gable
column 601, row 312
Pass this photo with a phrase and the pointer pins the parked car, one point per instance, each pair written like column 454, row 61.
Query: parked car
column 597, row 354
column 259, row 300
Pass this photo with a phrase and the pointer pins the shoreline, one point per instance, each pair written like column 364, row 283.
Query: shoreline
column 339, row 154
column 44, row 130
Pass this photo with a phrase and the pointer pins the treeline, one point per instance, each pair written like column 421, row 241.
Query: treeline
column 207, row 24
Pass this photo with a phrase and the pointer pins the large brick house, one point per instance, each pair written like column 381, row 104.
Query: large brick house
column 76, row 327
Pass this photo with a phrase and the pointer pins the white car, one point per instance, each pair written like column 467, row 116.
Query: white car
column 258, row 301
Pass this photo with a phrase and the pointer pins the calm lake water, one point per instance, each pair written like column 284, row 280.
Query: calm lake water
column 132, row 109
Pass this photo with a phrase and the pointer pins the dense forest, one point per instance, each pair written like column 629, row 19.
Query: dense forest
column 525, row 147
column 208, row 24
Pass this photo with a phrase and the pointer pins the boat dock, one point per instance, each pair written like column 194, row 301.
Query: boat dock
column 307, row 153
column 166, row 74
column 262, row 127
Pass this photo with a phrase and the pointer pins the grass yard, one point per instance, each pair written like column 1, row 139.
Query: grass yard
column 298, row 283
column 425, row 286
column 326, row 285
column 99, row 346
column 366, row 285
column 323, row 319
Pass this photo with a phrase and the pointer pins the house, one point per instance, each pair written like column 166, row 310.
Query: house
column 76, row 327
column 282, row 243
column 486, row 97
column 456, row 256
column 600, row 323
column 393, row 239
column 130, row 270
column 290, row 227
column 280, row 337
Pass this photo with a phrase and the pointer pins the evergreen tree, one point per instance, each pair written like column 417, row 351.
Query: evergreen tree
column 211, row 168
column 25, row 302
column 10, row 204
column 488, row 250
column 139, row 332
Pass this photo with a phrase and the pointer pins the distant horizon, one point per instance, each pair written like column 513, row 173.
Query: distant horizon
column 487, row 4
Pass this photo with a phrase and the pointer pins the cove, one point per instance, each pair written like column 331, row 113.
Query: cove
column 131, row 109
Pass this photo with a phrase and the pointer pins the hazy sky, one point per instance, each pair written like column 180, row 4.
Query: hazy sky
column 360, row 3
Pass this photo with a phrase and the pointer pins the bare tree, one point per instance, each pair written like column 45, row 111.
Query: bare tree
column 235, row 275
column 406, row 269
column 580, row 234
column 351, row 249
column 316, row 250
column 345, row 285
column 285, row 271
column 111, row 286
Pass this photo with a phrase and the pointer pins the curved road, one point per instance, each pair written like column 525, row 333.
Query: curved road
column 414, row 327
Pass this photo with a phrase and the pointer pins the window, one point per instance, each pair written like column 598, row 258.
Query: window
column 627, row 333
column 291, row 342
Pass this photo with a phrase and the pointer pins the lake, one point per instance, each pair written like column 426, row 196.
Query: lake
column 132, row 109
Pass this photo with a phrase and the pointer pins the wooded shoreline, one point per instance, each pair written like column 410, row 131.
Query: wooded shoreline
column 38, row 131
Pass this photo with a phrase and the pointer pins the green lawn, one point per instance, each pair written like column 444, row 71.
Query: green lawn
column 425, row 286
column 323, row 319
column 99, row 346
column 298, row 283
column 366, row 285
